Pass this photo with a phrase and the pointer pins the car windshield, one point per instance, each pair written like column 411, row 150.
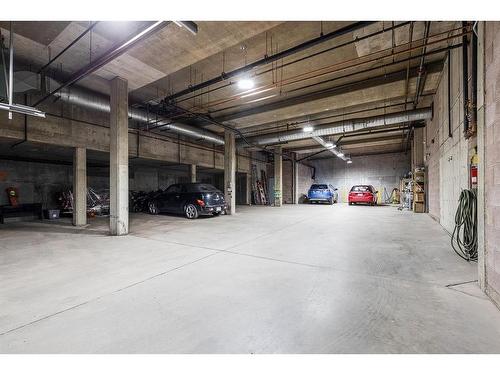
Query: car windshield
column 319, row 186
column 197, row 188
column 361, row 188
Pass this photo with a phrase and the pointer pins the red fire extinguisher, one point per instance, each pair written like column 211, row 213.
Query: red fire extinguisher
column 473, row 171
column 13, row 195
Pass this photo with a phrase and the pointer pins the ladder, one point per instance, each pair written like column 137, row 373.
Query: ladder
column 263, row 187
column 255, row 188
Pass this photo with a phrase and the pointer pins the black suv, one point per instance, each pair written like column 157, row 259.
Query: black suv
column 191, row 199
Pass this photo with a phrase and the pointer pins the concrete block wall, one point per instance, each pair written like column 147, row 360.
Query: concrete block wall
column 151, row 178
column 40, row 182
column 287, row 193
column 304, row 180
column 492, row 160
column 36, row 182
column 447, row 157
column 383, row 171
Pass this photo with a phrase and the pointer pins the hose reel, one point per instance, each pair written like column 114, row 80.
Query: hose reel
column 464, row 237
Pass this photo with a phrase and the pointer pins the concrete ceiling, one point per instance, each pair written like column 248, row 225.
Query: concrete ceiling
column 363, row 78
column 165, row 52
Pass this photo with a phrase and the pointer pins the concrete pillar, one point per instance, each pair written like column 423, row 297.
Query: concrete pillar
column 230, row 171
column 295, row 179
column 192, row 172
column 248, row 180
column 79, row 186
column 118, row 158
column 278, row 176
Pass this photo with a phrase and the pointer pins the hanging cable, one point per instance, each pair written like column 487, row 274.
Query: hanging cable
column 464, row 237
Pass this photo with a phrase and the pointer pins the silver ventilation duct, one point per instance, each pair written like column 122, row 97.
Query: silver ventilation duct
column 98, row 102
column 341, row 127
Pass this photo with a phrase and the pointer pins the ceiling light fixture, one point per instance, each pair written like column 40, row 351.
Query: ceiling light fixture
column 246, row 84
column 190, row 26
column 307, row 129
column 349, row 161
column 340, row 155
column 25, row 110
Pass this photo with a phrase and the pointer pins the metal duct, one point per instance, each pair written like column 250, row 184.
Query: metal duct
column 97, row 102
column 341, row 127
column 94, row 101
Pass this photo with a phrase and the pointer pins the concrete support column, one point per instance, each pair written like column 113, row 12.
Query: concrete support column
column 248, row 180
column 295, row 180
column 80, row 186
column 230, row 171
column 278, row 176
column 118, row 158
column 192, row 172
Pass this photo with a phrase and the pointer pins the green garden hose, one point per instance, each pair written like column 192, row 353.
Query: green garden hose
column 464, row 237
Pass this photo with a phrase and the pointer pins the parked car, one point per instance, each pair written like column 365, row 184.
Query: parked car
column 190, row 199
column 322, row 193
column 363, row 194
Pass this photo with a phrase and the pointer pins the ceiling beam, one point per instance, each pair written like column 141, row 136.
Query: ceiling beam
column 269, row 59
column 399, row 75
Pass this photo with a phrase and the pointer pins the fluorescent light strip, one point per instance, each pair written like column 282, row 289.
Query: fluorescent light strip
column 145, row 31
column 331, row 147
column 25, row 110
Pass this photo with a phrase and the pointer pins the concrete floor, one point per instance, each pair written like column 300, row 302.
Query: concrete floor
column 296, row 279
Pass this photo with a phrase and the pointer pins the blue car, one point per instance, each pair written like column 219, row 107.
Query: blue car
column 322, row 193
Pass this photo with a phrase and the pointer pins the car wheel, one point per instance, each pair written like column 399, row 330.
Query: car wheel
column 216, row 213
column 191, row 211
column 153, row 208
column 330, row 201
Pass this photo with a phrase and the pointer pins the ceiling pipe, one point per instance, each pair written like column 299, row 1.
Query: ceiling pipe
column 421, row 68
column 341, row 127
column 272, row 58
column 473, row 96
column 11, row 70
column 465, row 79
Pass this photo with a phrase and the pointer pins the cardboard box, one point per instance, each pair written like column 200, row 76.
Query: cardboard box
column 418, row 207
column 419, row 197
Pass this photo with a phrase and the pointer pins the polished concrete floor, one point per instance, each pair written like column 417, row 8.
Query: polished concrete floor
column 295, row 279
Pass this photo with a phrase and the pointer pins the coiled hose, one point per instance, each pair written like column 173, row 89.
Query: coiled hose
column 464, row 237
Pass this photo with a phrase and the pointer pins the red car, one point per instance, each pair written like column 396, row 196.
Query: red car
column 363, row 194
